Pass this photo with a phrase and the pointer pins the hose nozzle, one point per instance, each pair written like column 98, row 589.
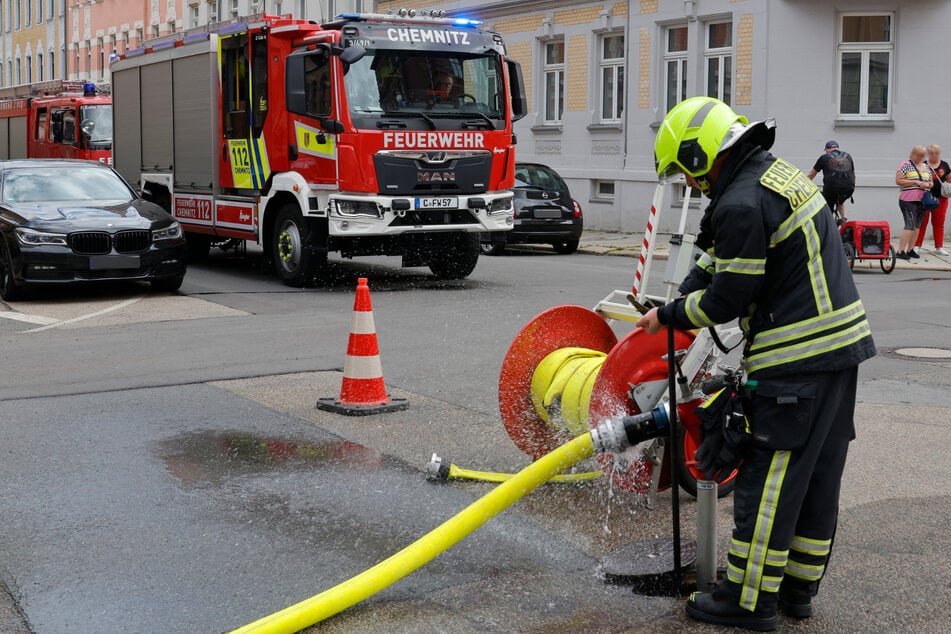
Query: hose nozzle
column 437, row 470
column 621, row 432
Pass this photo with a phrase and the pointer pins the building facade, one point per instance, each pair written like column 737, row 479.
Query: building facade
column 600, row 77
column 32, row 41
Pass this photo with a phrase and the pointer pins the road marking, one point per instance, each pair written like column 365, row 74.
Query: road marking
column 104, row 311
column 30, row 319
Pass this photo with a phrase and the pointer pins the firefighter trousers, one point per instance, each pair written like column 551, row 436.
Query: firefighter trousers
column 786, row 499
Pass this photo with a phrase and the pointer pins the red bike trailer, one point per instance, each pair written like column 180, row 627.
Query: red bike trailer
column 863, row 240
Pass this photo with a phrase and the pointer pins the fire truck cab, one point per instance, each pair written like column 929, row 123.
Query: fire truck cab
column 371, row 135
column 56, row 120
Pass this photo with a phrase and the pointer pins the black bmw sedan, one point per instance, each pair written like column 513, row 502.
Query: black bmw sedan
column 64, row 221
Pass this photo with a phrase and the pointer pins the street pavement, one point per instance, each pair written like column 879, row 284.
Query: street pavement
column 164, row 468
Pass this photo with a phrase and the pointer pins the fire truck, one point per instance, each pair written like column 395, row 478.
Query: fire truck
column 370, row 135
column 56, row 119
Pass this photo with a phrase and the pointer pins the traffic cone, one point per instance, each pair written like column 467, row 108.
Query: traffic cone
column 363, row 391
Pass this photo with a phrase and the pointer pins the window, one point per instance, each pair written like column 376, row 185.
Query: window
column 29, row 69
column 612, row 77
column 554, row 81
column 695, row 194
column 41, row 124
column 29, row 12
column 39, row 11
column 194, row 15
column 39, row 67
column 719, row 59
column 213, row 11
column 234, row 8
column 16, row 16
column 51, row 9
column 102, row 58
column 675, row 64
column 603, row 190
column 52, row 58
column 19, row 75
column 866, row 45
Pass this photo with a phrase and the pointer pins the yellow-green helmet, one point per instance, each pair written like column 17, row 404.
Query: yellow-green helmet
column 691, row 136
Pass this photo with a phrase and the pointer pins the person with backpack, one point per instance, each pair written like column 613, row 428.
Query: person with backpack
column 838, row 177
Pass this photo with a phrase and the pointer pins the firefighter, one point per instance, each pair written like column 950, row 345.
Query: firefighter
column 773, row 258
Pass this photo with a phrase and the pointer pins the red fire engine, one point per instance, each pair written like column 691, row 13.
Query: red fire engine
column 371, row 135
column 56, row 119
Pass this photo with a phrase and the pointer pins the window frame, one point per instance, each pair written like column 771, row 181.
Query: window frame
column 559, row 70
column 602, row 196
column 725, row 56
column 618, row 68
column 865, row 49
column 681, row 59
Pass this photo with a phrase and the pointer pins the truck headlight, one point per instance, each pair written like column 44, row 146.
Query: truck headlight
column 500, row 206
column 33, row 238
column 171, row 232
column 357, row 208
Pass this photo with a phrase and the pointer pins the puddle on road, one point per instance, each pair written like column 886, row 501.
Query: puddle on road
column 208, row 457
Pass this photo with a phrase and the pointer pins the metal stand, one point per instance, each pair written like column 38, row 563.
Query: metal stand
column 706, row 535
column 673, row 453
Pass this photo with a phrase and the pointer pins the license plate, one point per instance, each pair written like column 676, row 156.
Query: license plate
column 110, row 262
column 446, row 202
column 547, row 213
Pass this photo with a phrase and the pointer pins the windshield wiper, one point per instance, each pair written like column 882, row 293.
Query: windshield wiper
column 485, row 119
column 420, row 115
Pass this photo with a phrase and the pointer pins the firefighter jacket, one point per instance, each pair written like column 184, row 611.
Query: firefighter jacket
column 774, row 259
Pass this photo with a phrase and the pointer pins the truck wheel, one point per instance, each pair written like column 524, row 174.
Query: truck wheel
column 197, row 247
column 295, row 260
column 455, row 257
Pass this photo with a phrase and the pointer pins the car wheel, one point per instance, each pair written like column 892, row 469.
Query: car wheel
column 492, row 247
column 10, row 290
column 168, row 284
column 568, row 247
column 294, row 260
column 455, row 257
column 197, row 247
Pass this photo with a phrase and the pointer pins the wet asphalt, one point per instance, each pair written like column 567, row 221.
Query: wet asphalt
column 163, row 468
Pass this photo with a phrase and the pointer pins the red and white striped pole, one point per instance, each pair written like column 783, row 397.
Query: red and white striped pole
column 647, row 246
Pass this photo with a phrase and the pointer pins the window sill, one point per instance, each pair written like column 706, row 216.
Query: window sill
column 601, row 201
column 548, row 128
column 884, row 124
column 606, row 127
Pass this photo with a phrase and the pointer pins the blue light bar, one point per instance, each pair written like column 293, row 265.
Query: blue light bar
column 397, row 17
column 467, row 22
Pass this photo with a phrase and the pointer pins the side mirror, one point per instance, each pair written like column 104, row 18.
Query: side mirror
column 353, row 54
column 87, row 127
column 517, row 90
column 332, row 126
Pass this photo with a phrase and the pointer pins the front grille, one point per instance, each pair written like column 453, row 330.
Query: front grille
column 132, row 241
column 101, row 243
column 90, row 243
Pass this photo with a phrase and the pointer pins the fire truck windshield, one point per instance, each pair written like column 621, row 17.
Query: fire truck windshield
column 96, row 125
column 426, row 84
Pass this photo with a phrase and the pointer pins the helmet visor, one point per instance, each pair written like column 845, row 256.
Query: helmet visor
column 671, row 174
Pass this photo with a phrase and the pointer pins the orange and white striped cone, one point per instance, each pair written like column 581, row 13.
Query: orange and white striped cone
column 363, row 391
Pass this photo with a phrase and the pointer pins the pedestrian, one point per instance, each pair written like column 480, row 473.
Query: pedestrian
column 838, row 177
column 914, row 178
column 778, row 266
column 940, row 172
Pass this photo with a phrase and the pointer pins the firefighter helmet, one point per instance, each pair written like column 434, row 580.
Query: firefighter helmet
column 692, row 135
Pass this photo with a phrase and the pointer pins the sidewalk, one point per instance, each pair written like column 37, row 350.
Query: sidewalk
column 629, row 245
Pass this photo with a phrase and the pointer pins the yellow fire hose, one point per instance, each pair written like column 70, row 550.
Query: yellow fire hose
column 439, row 471
column 426, row 548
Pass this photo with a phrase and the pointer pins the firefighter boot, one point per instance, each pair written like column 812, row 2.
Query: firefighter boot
column 720, row 608
column 795, row 601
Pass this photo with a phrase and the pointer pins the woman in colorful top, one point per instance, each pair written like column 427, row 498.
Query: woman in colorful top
column 914, row 178
column 940, row 170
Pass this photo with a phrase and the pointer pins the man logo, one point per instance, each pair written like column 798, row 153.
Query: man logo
column 435, row 157
column 435, row 177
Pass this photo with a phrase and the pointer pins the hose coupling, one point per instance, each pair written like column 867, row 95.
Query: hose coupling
column 437, row 471
column 621, row 432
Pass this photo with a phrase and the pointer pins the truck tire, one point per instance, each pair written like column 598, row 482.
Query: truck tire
column 455, row 256
column 295, row 259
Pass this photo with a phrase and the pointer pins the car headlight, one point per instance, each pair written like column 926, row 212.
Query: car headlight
column 33, row 238
column 171, row 232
